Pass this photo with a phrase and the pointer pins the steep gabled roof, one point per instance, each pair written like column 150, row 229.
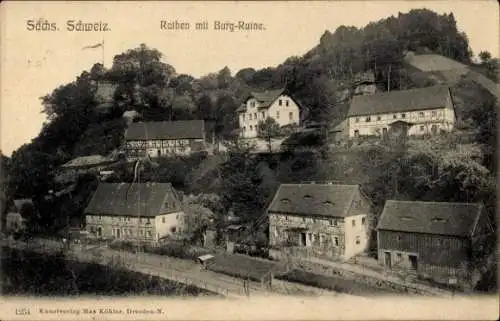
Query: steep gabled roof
column 442, row 218
column 267, row 97
column 126, row 199
column 182, row 129
column 314, row 199
column 399, row 101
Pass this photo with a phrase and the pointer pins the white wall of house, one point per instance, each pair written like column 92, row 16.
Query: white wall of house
column 284, row 110
column 171, row 224
column 127, row 227
column 424, row 120
column 356, row 235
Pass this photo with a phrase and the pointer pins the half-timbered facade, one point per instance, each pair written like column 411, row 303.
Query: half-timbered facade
column 431, row 239
column 165, row 138
column 321, row 220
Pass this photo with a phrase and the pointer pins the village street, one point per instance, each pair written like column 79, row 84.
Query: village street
column 183, row 271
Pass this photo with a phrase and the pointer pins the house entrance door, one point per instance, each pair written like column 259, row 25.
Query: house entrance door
column 388, row 259
column 414, row 261
column 303, row 241
column 384, row 133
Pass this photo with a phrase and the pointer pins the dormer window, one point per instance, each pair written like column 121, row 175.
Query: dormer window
column 308, row 197
column 368, row 119
column 285, row 201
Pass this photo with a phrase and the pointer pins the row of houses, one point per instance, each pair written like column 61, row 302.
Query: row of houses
column 430, row 239
column 414, row 112
column 326, row 221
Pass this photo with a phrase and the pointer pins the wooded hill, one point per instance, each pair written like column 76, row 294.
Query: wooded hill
column 80, row 123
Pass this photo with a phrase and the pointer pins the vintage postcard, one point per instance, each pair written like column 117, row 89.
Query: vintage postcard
column 249, row 160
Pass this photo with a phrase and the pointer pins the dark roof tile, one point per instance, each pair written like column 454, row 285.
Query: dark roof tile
column 182, row 129
column 125, row 199
column 399, row 101
column 442, row 218
column 314, row 199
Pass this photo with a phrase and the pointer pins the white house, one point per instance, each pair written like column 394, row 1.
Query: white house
column 276, row 104
column 427, row 110
column 137, row 211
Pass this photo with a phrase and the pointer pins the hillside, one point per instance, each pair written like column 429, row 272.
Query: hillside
column 89, row 115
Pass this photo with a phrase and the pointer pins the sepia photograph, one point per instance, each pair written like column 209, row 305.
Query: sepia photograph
column 250, row 160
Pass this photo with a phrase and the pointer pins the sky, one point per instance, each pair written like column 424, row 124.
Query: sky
column 36, row 62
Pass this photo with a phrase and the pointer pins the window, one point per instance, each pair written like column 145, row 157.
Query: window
column 286, row 218
column 263, row 114
column 403, row 115
column 148, row 221
column 434, row 113
column 149, row 234
column 368, row 119
column 378, row 118
column 399, row 255
column 251, row 127
column 356, row 133
column 250, row 116
column 358, row 239
column 173, row 229
column 336, row 240
column 422, row 128
column 278, row 114
column 331, row 222
column 255, row 115
column 357, row 119
column 303, row 219
column 438, row 242
column 252, row 104
column 177, row 216
column 398, row 237
column 290, row 115
column 142, row 232
column 244, row 128
column 353, row 222
column 421, row 114
column 335, row 223
column 287, row 103
column 243, row 117
column 280, row 102
column 363, row 220
column 394, row 116
column 163, row 219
